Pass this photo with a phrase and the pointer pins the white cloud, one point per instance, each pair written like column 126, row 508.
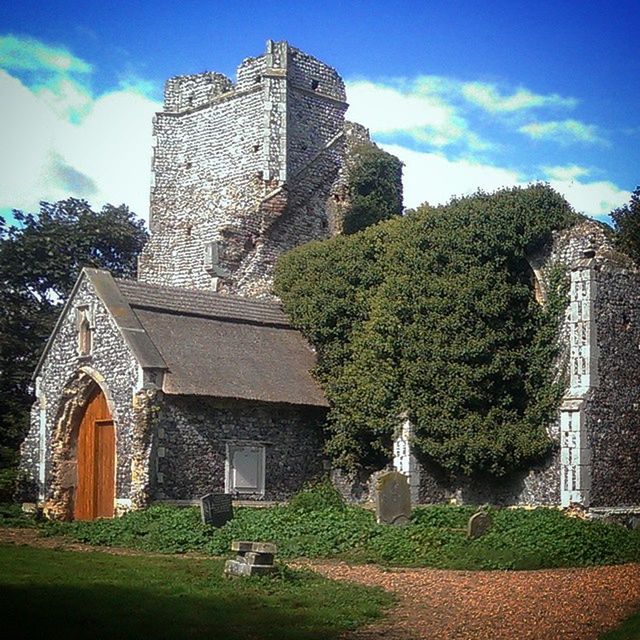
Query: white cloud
column 61, row 141
column 19, row 53
column 489, row 98
column 113, row 147
column 104, row 156
column 69, row 99
column 565, row 173
column 386, row 109
column 432, row 177
column 593, row 198
column 564, row 132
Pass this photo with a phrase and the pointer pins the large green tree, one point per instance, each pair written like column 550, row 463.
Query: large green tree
column 626, row 223
column 433, row 315
column 40, row 259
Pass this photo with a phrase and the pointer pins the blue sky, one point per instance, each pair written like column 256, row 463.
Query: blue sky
column 468, row 94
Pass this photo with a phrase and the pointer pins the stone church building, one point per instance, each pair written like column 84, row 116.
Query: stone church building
column 190, row 380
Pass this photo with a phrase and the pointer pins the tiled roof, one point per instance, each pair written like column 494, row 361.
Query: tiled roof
column 202, row 303
column 223, row 346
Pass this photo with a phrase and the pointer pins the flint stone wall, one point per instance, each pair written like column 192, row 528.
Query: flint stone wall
column 195, row 431
column 613, row 413
column 248, row 166
column 110, row 361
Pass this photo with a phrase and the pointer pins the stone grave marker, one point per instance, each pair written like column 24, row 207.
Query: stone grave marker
column 216, row 509
column 393, row 499
column 479, row 524
column 252, row 559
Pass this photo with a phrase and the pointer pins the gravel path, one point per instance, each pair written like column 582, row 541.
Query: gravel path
column 558, row 604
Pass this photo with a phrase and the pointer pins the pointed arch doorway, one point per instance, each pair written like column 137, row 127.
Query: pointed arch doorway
column 96, row 452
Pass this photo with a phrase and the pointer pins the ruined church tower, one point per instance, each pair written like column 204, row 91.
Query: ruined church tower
column 244, row 172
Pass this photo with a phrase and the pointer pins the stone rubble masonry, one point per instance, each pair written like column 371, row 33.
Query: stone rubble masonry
column 196, row 431
column 244, row 172
column 48, row 453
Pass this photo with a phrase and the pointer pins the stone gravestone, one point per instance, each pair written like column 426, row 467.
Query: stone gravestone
column 479, row 524
column 216, row 509
column 253, row 559
column 393, row 499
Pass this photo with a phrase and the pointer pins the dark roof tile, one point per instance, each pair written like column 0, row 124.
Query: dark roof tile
column 203, row 303
column 225, row 346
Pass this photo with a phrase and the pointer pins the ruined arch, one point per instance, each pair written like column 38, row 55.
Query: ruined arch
column 85, row 384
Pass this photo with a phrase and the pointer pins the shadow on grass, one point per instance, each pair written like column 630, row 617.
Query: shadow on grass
column 628, row 630
column 57, row 594
column 106, row 611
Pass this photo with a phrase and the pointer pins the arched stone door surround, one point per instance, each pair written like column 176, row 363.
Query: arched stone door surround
column 84, row 400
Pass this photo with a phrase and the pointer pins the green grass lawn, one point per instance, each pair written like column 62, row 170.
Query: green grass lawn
column 628, row 630
column 63, row 594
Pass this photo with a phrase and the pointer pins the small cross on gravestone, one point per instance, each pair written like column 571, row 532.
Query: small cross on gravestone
column 216, row 509
column 393, row 500
column 479, row 524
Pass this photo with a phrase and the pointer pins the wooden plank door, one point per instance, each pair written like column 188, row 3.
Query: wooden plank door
column 105, row 453
column 95, row 488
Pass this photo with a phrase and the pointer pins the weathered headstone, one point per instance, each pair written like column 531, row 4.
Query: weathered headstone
column 393, row 499
column 479, row 524
column 253, row 559
column 216, row 509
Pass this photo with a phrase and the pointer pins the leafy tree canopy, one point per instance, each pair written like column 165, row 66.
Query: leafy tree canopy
column 40, row 260
column 433, row 315
column 626, row 223
column 374, row 187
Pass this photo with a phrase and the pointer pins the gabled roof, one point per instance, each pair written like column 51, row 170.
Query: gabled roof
column 209, row 344
column 204, row 303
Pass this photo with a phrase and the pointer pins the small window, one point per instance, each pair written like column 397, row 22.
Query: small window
column 315, row 84
column 245, row 469
column 85, row 331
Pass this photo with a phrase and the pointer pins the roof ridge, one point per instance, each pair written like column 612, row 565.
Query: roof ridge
column 202, row 303
column 203, row 292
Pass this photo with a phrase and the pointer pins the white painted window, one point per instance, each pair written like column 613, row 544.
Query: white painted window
column 245, row 469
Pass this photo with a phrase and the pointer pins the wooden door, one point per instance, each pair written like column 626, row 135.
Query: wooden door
column 95, row 488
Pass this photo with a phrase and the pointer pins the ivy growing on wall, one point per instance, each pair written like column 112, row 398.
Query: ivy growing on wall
column 374, row 186
column 433, row 314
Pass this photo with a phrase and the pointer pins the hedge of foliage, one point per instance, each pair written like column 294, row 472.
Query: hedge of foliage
column 433, row 315
column 319, row 525
column 374, row 187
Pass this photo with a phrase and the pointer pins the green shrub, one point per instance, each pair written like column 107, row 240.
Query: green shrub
column 8, row 479
column 433, row 314
column 12, row 515
column 436, row 535
column 318, row 495
column 374, row 186
column 160, row 528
